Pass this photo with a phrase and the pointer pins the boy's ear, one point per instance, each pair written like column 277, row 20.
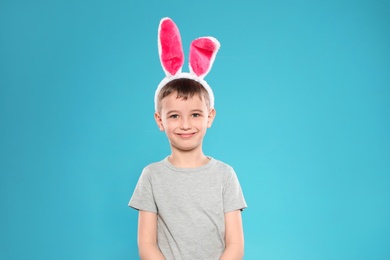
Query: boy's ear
column 159, row 123
column 211, row 116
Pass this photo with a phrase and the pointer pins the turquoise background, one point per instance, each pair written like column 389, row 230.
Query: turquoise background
column 302, row 99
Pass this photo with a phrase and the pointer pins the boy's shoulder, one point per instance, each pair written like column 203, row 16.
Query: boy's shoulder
column 221, row 164
column 155, row 164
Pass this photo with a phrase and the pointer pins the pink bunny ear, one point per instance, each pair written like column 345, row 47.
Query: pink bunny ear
column 202, row 55
column 170, row 47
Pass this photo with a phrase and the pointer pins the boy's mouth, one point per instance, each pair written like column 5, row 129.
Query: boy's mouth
column 186, row 135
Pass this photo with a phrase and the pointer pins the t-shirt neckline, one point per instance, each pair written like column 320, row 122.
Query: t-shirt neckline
column 210, row 163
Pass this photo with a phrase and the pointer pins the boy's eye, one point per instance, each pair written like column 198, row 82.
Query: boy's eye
column 174, row 116
column 196, row 115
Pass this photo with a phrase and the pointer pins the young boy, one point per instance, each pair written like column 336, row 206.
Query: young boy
column 189, row 204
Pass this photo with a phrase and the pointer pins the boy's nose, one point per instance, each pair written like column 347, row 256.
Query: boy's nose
column 185, row 124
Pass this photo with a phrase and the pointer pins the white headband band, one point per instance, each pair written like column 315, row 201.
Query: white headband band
column 202, row 55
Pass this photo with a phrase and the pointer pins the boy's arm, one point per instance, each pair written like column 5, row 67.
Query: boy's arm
column 234, row 236
column 147, row 236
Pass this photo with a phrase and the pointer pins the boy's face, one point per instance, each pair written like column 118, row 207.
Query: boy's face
column 184, row 121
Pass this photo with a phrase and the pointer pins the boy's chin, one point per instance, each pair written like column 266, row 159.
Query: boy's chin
column 185, row 149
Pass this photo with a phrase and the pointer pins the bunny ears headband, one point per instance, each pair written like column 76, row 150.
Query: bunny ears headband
column 201, row 58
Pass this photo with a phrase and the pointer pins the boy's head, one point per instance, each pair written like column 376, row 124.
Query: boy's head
column 184, row 88
column 184, row 113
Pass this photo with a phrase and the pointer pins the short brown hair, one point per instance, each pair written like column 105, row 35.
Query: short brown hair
column 185, row 88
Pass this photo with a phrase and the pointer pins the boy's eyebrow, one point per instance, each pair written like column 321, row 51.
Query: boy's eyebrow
column 172, row 111
column 197, row 110
column 192, row 111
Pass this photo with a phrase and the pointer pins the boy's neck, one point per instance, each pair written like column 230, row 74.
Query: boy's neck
column 188, row 159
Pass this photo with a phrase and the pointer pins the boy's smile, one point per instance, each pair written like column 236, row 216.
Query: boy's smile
column 184, row 121
column 184, row 135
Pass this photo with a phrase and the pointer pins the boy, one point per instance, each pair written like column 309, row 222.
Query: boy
column 189, row 204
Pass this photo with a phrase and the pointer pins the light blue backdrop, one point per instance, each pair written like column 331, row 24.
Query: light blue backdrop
column 303, row 102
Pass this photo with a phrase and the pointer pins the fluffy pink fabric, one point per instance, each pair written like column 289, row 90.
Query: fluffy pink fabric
column 172, row 57
column 202, row 52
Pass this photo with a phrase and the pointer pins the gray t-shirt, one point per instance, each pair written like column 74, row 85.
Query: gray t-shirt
column 190, row 204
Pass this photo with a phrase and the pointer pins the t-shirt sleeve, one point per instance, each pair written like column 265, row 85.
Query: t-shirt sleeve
column 233, row 198
column 143, row 198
